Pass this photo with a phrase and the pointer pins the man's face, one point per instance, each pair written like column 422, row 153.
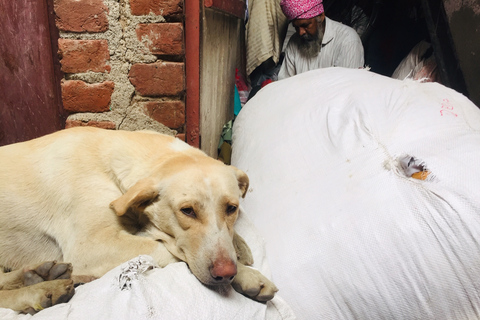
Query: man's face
column 307, row 29
column 310, row 33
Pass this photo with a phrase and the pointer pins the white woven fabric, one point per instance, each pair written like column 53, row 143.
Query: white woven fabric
column 138, row 290
column 349, row 234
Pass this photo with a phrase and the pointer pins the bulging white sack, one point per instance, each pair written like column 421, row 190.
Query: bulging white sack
column 349, row 233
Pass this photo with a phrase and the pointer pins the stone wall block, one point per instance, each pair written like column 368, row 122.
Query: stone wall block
column 79, row 96
column 157, row 7
column 162, row 38
column 158, row 79
column 81, row 15
column 83, row 55
column 169, row 113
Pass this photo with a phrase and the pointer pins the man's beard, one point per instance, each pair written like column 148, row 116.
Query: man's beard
column 310, row 45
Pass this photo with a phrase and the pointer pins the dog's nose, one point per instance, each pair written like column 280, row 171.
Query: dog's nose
column 223, row 270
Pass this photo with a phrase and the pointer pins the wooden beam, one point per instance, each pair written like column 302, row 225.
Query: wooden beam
column 192, row 72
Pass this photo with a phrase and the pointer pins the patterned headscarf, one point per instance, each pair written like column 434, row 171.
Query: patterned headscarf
column 301, row 9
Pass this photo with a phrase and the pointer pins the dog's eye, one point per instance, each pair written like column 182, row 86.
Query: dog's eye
column 188, row 212
column 231, row 209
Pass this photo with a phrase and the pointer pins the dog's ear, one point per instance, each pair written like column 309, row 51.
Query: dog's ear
column 142, row 192
column 242, row 179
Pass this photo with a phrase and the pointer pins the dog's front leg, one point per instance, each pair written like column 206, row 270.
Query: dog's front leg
column 163, row 256
column 244, row 254
column 50, row 270
column 11, row 280
column 253, row 284
column 38, row 296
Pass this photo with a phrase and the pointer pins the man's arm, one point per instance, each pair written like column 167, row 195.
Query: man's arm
column 288, row 66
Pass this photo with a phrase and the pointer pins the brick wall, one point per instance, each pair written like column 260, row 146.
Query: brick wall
column 123, row 63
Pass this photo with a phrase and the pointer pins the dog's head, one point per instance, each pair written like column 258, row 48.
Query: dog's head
column 192, row 204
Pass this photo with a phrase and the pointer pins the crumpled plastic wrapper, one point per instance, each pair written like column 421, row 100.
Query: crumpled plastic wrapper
column 415, row 168
column 133, row 268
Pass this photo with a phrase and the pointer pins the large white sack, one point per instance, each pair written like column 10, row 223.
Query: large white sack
column 349, row 235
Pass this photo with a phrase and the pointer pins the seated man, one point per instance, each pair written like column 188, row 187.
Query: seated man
column 419, row 64
column 318, row 42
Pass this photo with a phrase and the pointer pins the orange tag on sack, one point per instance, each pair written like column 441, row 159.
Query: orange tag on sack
column 422, row 175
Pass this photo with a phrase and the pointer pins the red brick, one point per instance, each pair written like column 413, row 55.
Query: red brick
column 83, row 55
column 158, row 79
column 98, row 124
column 180, row 136
column 81, row 15
column 79, row 96
column 162, row 38
column 158, row 7
column 169, row 113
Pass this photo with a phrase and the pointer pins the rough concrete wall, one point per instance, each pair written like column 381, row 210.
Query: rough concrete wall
column 115, row 54
column 464, row 21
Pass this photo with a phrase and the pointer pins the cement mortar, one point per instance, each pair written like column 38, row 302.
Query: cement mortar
column 125, row 50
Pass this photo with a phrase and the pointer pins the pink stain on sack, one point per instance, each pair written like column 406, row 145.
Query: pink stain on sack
column 447, row 108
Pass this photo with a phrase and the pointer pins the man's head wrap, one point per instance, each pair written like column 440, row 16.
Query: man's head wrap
column 301, row 9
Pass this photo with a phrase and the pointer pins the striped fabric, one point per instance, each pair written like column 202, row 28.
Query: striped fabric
column 265, row 32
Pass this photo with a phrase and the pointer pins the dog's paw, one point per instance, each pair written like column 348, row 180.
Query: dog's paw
column 82, row 279
column 251, row 283
column 244, row 254
column 47, row 271
column 46, row 294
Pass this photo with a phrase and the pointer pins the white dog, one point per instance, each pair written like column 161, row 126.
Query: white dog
column 96, row 198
